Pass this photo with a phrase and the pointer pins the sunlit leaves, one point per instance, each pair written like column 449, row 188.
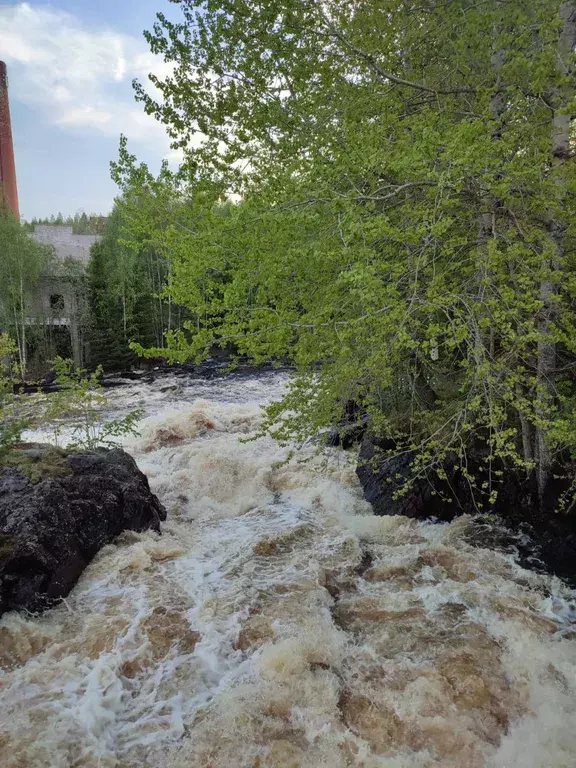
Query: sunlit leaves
column 397, row 190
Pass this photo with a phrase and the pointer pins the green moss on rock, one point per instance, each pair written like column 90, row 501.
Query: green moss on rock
column 38, row 463
column 6, row 545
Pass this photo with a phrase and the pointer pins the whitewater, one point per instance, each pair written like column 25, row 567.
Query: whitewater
column 277, row 623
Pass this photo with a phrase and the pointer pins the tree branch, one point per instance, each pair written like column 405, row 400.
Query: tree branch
column 369, row 59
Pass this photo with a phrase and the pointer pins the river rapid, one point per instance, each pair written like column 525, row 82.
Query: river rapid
column 276, row 623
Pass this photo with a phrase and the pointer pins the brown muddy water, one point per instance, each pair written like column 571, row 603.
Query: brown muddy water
column 276, row 623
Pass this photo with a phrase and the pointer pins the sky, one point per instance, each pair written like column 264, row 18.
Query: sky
column 70, row 67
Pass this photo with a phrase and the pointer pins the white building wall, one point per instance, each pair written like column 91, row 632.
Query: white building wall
column 66, row 244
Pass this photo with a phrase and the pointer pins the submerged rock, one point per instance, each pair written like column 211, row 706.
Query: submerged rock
column 57, row 510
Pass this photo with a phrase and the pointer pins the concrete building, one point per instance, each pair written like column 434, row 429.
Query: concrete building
column 60, row 302
column 66, row 244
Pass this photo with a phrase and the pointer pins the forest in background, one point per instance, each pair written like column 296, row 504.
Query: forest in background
column 128, row 300
column 118, row 299
column 82, row 223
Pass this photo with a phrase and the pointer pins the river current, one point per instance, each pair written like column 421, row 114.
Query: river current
column 276, row 623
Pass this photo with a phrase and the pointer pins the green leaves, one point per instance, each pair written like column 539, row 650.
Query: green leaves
column 12, row 418
column 76, row 410
column 398, row 216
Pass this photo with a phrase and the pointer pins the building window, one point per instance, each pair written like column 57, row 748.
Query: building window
column 57, row 302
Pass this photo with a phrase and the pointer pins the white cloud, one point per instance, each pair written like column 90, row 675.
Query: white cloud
column 174, row 156
column 78, row 77
column 85, row 116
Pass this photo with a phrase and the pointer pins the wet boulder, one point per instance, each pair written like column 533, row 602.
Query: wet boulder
column 383, row 473
column 517, row 520
column 57, row 510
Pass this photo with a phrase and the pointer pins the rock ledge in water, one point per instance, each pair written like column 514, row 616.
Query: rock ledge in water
column 551, row 536
column 382, row 474
column 57, row 510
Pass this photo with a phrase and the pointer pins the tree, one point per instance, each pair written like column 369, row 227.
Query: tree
column 111, row 280
column 11, row 421
column 407, row 222
column 21, row 263
column 127, row 282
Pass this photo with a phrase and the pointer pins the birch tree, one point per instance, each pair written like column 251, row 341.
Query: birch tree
column 21, row 263
column 406, row 228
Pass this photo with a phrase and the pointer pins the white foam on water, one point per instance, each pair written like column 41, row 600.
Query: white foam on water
column 276, row 623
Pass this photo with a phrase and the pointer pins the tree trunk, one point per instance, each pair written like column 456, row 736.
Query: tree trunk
column 497, row 104
column 423, row 391
column 526, row 438
column 18, row 335
column 23, row 360
column 546, row 364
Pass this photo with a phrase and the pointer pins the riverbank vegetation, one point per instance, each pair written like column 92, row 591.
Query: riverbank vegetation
column 73, row 413
column 22, row 262
column 405, row 224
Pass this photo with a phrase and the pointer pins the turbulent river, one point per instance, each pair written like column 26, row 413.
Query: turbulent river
column 276, row 623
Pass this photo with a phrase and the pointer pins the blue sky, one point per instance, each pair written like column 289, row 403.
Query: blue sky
column 70, row 65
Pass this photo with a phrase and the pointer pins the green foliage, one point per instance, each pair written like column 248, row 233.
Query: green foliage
column 74, row 411
column 127, row 283
column 406, row 228
column 12, row 421
column 22, row 261
column 77, row 408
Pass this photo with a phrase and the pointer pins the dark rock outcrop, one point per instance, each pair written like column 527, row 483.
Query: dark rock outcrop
column 57, row 510
column 548, row 536
column 383, row 473
column 345, row 436
column 350, row 429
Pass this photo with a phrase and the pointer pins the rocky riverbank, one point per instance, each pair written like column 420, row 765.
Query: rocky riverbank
column 543, row 536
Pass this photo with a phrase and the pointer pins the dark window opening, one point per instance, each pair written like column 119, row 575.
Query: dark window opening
column 61, row 342
column 57, row 302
